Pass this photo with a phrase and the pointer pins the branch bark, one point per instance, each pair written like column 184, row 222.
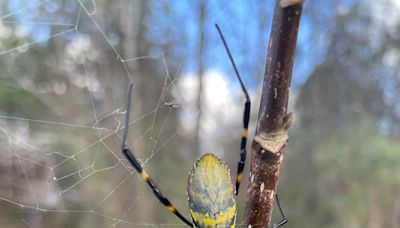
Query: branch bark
column 269, row 144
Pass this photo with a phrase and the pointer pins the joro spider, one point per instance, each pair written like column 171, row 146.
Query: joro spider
column 210, row 190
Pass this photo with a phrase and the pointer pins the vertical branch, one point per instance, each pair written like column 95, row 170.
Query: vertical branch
column 269, row 144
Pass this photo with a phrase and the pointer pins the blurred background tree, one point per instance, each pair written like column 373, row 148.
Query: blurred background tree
column 65, row 67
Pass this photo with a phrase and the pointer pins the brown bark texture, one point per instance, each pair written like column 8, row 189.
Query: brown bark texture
column 269, row 144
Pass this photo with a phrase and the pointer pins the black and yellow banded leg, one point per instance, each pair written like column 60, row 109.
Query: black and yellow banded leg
column 246, row 116
column 134, row 162
column 243, row 144
column 157, row 192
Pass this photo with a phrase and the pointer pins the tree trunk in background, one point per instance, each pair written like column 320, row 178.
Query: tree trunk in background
column 200, row 73
column 376, row 216
column 269, row 144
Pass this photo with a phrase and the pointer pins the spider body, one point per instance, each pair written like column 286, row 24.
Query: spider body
column 211, row 194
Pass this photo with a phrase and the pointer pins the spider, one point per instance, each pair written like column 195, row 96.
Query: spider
column 211, row 195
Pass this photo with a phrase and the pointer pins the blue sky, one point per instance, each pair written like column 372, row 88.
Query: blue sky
column 239, row 21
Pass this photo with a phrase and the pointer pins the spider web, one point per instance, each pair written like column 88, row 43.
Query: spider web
column 66, row 169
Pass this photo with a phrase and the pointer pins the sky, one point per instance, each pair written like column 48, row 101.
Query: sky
column 235, row 18
column 241, row 32
column 222, row 106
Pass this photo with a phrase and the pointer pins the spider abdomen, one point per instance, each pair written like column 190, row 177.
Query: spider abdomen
column 211, row 195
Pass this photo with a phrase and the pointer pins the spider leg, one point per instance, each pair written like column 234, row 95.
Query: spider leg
column 246, row 117
column 284, row 219
column 243, row 151
column 132, row 159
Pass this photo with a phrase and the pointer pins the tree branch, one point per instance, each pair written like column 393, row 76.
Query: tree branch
column 269, row 144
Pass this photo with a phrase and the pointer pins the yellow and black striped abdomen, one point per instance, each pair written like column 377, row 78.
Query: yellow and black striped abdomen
column 211, row 195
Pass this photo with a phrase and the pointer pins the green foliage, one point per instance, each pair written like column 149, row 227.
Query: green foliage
column 23, row 101
column 362, row 155
column 348, row 179
column 360, row 173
